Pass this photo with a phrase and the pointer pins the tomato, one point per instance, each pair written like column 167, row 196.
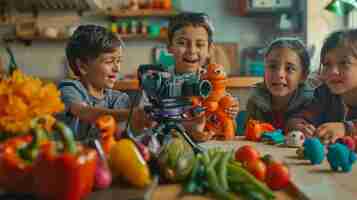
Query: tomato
column 257, row 168
column 246, row 154
column 278, row 176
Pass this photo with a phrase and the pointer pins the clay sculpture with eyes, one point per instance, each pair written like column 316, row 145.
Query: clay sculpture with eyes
column 295, row 139
column 215, row 104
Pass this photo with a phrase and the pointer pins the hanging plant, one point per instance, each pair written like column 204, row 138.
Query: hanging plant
column 341, row 7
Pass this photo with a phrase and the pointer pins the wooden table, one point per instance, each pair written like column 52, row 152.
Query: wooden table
column 312, row 182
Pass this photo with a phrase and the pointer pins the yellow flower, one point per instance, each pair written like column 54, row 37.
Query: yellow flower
column 24, row 98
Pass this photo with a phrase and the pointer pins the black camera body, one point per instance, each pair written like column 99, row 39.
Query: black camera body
column 169, row 93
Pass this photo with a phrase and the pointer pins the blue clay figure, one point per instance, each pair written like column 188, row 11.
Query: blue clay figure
column 276, row 137
column 314, row 151
column 339, row 155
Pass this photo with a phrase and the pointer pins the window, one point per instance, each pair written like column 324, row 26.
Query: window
column 352, row 19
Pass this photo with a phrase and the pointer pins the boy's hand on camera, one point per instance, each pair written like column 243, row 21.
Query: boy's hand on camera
column 330, row 132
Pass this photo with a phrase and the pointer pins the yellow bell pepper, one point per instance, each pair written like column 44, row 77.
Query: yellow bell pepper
column 126, row 161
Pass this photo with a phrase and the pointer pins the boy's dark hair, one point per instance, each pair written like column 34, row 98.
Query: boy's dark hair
column 88, row 42
column 294, row 44
column 190, row 18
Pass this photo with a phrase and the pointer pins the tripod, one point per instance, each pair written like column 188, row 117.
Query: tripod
column 169, row 116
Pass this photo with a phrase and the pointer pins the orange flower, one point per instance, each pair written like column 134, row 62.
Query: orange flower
column 24, row 98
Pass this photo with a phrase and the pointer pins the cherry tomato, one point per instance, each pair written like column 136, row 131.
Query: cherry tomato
column 277, row 175
column 257, row 168
column 246, row 154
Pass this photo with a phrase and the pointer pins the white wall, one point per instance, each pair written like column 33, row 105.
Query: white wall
column 320, row 23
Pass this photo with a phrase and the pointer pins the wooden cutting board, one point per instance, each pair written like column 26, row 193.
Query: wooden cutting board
column 174, row 192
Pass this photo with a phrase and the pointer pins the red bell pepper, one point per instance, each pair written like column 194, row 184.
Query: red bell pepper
column 16, row 161
column 67, row 172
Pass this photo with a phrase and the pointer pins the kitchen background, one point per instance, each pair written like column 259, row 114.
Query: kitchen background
column 240, row 33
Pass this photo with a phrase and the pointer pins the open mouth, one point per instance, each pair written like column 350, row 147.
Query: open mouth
column 336, row 81
column 278, row 84
column 112, row 77
column 191, row 61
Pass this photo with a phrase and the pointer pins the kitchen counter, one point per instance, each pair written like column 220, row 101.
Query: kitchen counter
column 312, row 182
column 233, row 82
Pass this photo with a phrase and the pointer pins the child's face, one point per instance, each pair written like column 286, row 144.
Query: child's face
column 283, row 71
column 102, row 72
column 340, row 71
column 190, row 47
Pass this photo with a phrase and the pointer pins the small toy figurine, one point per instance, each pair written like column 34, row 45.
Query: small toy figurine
column 339, row 155
column 255, row 129
column 314, row 150
column 274, row 137
column 217, row 101
column 295, row 139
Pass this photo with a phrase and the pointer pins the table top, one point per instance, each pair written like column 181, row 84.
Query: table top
column 313, row 181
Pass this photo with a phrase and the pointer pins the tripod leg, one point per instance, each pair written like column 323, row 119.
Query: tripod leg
column 196, row 147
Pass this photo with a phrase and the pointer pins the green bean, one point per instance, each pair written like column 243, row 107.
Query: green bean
column 239, row 174
column 191, row 185
column 222, row 170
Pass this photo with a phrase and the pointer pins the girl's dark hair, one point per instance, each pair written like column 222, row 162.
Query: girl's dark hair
column 332, row 41
column 190, row 18
column 88, row 42
column 294, row 44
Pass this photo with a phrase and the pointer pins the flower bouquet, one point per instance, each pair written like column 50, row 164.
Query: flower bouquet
column 24, row 98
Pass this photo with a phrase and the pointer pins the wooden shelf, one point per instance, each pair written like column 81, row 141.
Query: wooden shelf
column 142, row 37
column 140, row 13
column 126, row 37
column 233, row 82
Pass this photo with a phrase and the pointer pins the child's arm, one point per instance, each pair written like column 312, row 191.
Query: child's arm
column 196, row 129
column 76, row 101
column 331, row 131
column 312, row 115
column 90, row 114
column 140, row 120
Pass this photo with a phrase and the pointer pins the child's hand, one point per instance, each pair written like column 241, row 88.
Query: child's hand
column 308, row 129
column 331, row 131
column 302, row 125
column 141, row 120
column 202, row 136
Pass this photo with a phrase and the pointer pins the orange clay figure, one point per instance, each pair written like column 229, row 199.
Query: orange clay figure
column 107, row 126
column 255, row 129
column 215, row 104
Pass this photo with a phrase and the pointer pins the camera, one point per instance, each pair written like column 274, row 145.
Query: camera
column 169, row 93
